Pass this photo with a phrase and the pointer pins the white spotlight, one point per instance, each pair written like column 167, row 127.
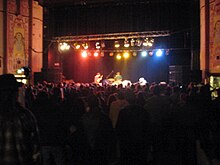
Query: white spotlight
column 64, row 46
column 144, row 54
column 117, row 45
column 126, row 43
column 97, row 45
column 159, row 53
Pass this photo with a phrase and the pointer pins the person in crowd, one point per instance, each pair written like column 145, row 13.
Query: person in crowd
column 110, row 98
column 99, row 132
column 51, row 127
column 185, row 123
column 116, row 106
column 175, row 97
column 19, row 136
column 141, row 97
column 215, row 128
column 161, row 128
column 76, row 146
column 132, row 132
column 79, row 121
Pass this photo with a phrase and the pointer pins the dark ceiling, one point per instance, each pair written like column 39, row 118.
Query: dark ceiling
column 57, row 3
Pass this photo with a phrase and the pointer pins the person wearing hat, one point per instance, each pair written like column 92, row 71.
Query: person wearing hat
column 19, row 138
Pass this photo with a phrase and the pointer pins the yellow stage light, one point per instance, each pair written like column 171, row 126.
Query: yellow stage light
column 126, row 55
column 118, row 57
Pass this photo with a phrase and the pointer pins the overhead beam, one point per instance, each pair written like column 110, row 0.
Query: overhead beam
column 111, row 36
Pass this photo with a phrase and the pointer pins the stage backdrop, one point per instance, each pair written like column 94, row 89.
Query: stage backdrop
column 152, row 68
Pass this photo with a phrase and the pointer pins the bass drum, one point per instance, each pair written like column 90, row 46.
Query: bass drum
column 111, row 80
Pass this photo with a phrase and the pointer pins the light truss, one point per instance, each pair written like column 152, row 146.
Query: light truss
column 112, row 36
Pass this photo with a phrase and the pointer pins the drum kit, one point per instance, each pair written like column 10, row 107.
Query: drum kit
column 112, row 82
column 109, row 81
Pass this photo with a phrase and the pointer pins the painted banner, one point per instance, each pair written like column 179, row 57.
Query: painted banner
column 17, row 36
column 214, row 64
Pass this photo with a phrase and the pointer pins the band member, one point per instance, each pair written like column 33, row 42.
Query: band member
column 118, row 78
column 98, row 78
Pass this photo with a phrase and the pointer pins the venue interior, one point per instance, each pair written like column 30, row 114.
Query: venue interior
column 148, row 27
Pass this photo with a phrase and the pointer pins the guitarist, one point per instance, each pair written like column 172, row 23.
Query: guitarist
column 98, row 78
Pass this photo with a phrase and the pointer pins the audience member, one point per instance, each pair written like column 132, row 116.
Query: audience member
column 19, row 138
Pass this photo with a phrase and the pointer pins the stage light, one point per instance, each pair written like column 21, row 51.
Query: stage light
column 85, row 45
column 64, row 46
column 111, row 54
column 167, row 52
column 25, row 71
column 24, row 81
column 102, row 54
column 152, row 40
column 138, row 42
column 76, row 46
column 84, row 54
column 102, row 44
column 150, row 53
column 126, row 43
column 126, row 55
column 97, row 45
column 132, row 42
column 148, row 42
column 145, row 43
column 117, row 45
column 19, row 71
column 159, row 53
column 96, row 54
column 144, row 54
column 118, row 57
column 134, row 54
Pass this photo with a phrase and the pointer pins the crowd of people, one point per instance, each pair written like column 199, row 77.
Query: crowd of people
column 91, row 124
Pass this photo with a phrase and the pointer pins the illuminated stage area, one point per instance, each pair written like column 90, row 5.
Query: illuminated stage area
column 133, row 54
column 83, row 69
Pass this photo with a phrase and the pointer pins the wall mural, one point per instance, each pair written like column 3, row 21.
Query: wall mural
column 215, row 37
column 17, row 38
column 18, row 45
